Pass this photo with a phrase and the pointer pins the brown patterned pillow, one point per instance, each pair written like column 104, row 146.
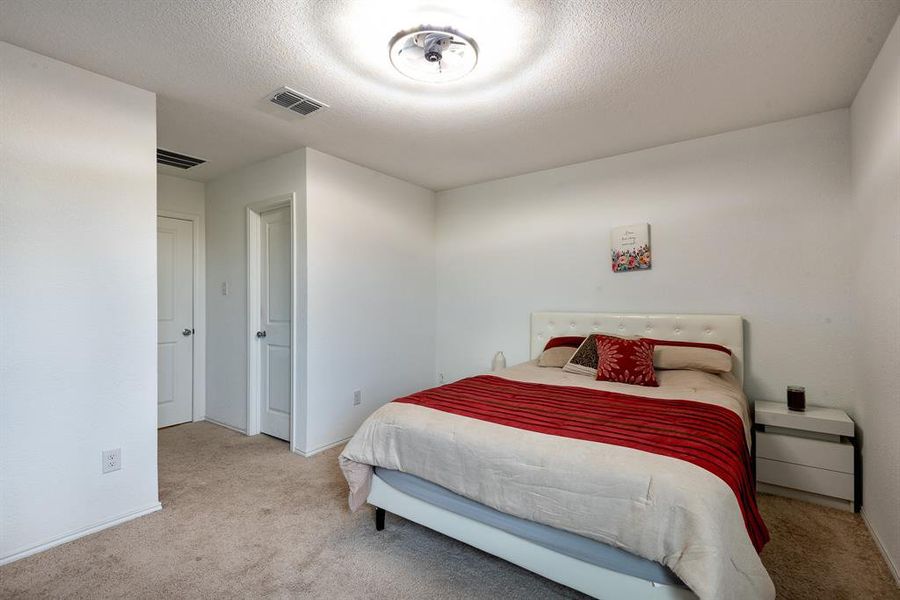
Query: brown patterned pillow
column 584, row 361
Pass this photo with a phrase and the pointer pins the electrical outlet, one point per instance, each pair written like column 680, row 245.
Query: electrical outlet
column 357, row 397
column 112, row 460
column 224, row 288
column 442, row 378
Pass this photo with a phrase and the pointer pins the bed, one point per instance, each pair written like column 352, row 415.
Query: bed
column 609, row 519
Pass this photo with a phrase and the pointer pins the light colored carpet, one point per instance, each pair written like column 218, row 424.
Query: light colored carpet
column 243, row 517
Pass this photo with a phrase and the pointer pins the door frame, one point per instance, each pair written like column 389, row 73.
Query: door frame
column 198, row 390
column 254, row 301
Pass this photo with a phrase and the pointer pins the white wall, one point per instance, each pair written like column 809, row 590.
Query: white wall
column 875, row 131
column 371, row 293
column 180, row 195
column 367, row 276
column 186, row 199
column 77, row 299
column 751, row 222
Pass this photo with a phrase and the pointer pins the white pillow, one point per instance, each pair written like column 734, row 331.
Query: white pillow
column 556, row 357
column 691, row 358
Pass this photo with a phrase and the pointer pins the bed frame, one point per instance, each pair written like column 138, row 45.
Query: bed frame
column 598, row 582
column 725, row 330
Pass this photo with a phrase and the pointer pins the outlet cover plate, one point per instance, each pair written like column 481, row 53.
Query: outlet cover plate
column 357, row 397
column 112, row 460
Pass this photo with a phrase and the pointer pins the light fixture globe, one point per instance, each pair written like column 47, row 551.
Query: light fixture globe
column 433, row 54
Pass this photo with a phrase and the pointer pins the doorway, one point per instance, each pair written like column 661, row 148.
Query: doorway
column 271, row 301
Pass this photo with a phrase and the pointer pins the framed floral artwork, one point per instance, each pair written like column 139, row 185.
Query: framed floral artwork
column 630, row 247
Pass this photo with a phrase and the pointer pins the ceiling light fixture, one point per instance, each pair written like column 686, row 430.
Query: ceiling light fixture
column 433, row 55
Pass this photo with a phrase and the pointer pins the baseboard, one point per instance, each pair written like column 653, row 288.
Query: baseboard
column 225, row 425
column 79, row 533
column 890, row 563
column 315, row 451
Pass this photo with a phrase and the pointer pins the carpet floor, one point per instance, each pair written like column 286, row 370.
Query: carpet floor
column 244, row 518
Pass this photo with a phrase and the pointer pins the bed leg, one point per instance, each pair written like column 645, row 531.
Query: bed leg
column 379, row 519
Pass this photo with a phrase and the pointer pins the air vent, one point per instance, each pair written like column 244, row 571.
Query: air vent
column 295, row 101
column 173, row 159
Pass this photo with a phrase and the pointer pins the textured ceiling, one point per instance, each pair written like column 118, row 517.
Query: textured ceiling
column 557, row 82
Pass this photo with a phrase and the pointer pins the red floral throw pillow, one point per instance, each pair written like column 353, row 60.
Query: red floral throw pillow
column 625, row 361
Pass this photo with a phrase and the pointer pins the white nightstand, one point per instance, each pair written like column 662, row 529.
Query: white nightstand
column 807, row 455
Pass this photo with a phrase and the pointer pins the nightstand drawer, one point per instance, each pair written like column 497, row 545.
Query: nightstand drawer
column 808, row 479
column 805, row 451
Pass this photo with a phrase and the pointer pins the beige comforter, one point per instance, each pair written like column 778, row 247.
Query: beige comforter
column 658, row 507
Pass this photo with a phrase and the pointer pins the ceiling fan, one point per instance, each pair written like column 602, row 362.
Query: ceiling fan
column 433, row 55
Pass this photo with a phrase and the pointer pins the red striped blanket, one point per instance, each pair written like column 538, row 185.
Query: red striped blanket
column 709, row 436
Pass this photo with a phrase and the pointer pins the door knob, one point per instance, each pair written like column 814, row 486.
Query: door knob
column 260, row 334
column 186, row 331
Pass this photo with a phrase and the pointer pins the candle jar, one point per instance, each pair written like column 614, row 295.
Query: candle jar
column 796, row 398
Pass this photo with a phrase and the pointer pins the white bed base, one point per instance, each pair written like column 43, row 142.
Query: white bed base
column 598, row 582
column 592, row 580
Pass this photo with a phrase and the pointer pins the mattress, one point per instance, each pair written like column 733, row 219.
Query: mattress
column 563, row 542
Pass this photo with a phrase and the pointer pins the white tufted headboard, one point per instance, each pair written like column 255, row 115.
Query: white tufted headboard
column 725, row 330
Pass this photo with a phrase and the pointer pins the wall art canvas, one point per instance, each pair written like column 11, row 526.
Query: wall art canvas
column 630, row 247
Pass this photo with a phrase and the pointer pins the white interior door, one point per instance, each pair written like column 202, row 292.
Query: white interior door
column 175, row 320
column 275, row 323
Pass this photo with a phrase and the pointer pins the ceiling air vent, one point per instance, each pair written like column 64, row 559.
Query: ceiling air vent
column 173, row 159
column 295, row 101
